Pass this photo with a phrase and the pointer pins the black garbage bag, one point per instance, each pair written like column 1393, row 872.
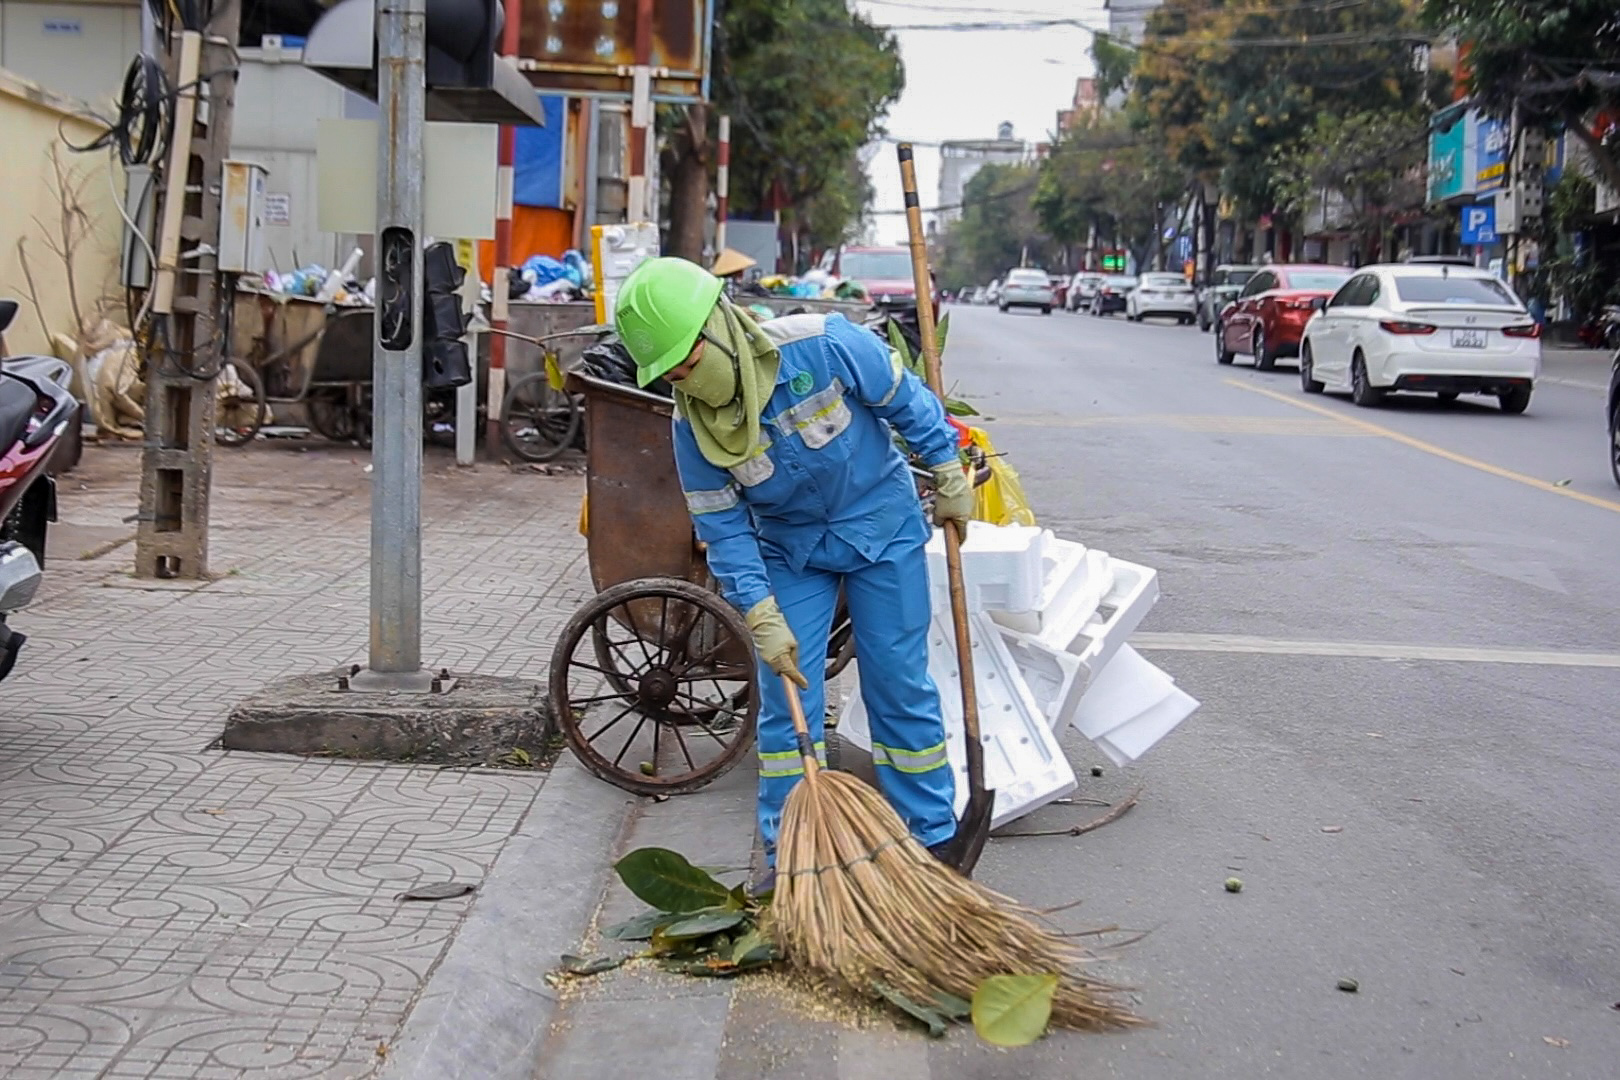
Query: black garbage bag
column 610, row 361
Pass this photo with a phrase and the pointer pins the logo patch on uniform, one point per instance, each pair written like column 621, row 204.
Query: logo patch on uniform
column 800, row 384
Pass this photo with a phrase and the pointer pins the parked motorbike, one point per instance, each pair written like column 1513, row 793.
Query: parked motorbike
column 1602, row 330
column 36, row 410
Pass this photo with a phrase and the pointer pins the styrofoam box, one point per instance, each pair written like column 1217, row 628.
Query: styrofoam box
column 1129, row 706
column 1002, row 567
column 1023, row 763
column 1072, row 580
column 1057, row 679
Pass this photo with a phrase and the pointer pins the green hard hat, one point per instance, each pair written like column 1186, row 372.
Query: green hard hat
column 660, row 311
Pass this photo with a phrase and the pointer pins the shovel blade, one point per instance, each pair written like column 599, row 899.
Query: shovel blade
column 971, row 832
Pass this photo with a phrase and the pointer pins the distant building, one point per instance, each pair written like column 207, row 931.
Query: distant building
column 1085, row 106
column 961, row 158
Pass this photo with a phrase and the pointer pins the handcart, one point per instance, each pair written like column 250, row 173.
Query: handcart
column 653, row 681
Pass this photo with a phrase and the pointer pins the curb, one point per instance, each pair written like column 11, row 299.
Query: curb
column 485, row 1010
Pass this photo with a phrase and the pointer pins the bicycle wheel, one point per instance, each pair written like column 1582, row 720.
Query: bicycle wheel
column 239, row 410
column 537, row 421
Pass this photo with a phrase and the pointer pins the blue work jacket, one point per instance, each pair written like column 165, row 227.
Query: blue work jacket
column 826, row 459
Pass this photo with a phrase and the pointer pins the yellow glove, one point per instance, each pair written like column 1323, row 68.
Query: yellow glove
column 774, row 641
column 953, row 495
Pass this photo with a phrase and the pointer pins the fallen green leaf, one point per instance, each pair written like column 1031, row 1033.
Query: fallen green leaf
column 935, row 1020
column 952, row 1006
column 958, row 407
column 517, row 756
column 702, row 924
column 640, row 928
column 579, row 965
column 1012, row 1010
column 663, row 879
column 753, row 950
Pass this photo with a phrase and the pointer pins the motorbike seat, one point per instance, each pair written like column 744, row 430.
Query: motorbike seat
column 18, row 403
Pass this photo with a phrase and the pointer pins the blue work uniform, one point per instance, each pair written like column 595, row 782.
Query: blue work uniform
column 826, row 500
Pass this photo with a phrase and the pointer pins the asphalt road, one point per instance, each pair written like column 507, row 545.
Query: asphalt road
column 1402, row 625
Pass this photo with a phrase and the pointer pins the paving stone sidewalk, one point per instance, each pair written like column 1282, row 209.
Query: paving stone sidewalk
column 169, row 910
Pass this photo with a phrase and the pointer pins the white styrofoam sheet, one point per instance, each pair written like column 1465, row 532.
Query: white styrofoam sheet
column 1072, row 580
column 1142, row 732
column 1129, row 706
column 1056, row 678
column 1002, row 567
column 1023, row 763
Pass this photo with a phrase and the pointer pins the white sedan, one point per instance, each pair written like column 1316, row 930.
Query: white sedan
column 1162, row 294
column 1440, row 329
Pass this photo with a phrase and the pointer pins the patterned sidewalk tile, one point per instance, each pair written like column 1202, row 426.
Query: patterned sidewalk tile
column 168, row 910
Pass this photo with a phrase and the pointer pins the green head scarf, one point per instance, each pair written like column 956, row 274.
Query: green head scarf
column 726, row 393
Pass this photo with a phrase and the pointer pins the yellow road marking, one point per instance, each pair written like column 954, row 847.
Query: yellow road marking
column 1429, row 448
column 1214, row 424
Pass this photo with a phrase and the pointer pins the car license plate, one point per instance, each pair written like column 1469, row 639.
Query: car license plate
column 1468, row 339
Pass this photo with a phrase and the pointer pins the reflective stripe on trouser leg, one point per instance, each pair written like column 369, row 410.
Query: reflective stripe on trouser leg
column 807, row 599
column 889, row 606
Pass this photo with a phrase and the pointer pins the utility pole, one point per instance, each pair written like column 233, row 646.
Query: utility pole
column 185, row 352
column 722, row 186
column 499, row 307
column 396, row 486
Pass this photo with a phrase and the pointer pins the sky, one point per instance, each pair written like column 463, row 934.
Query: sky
column 962, row 84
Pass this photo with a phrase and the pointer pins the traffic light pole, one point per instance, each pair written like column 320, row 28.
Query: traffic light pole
column 396, row 485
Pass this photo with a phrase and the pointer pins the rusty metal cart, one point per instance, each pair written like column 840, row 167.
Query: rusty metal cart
column 652, row 680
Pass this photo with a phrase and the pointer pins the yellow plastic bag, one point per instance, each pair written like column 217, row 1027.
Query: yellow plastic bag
column 1000, row 500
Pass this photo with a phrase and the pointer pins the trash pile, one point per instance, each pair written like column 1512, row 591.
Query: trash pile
column 543, row 279
column 329, row 287
column 811, row 285
column 1050, row 622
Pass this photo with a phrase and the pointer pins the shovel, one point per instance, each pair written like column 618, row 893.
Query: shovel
column 974, row 828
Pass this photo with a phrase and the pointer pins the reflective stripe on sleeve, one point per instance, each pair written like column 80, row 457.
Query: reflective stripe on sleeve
column 709, row 502
column 899, row 377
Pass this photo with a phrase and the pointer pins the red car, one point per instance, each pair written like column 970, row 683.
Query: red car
column 1268, row 317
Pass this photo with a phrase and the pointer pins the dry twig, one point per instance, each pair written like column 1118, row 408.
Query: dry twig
column 1113, row 815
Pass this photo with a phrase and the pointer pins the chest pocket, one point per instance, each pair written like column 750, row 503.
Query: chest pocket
column 818, row 419
column 757, row 469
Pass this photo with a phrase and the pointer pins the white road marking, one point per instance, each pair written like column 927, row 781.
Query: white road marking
column 1465, row 654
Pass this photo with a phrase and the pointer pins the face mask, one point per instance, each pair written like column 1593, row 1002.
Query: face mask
column 714, row 380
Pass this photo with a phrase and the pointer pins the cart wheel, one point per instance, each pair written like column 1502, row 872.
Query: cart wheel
column 329, row 418
column 675, row 709
column 538, row 422
column 239, row 412
column 360, row 420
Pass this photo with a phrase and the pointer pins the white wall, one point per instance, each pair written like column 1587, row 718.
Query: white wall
column 77, row 50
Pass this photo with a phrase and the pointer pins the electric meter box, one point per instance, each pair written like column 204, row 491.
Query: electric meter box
column 241, row 218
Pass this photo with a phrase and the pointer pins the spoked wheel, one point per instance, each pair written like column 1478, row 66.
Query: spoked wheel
column 675, row 705
column 538, row 421
column 329, row 417
column 239, row 410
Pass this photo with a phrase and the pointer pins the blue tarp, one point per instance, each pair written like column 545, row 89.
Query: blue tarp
column 537, row 158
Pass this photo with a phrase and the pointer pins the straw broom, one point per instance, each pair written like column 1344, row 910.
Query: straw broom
column 861, row 901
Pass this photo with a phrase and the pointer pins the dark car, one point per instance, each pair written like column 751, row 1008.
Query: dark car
column 1225, row 282
column 1614, row 416
column 1268, row 318
column 1111, row 293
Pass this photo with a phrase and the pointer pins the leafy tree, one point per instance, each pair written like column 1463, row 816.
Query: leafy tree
column 1229, row 87
column 807, row 83
column 1369, row 166
column 1106, row 177
column 998, row 228
column 1560, row 61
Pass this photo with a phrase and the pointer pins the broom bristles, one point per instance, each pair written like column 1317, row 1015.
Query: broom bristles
column 860, row 900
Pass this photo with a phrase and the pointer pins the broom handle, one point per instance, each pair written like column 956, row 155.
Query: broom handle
column 953, row 538
column 801, row 728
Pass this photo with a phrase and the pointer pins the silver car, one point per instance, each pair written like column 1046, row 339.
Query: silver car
column 1027, row 287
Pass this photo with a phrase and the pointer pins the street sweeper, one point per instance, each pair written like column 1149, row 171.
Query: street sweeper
column 796, row 486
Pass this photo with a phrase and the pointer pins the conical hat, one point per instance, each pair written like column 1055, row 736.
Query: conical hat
column 731, row 261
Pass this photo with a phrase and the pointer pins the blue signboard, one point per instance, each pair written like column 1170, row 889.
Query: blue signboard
column 1479, row 223
column 1491, row 161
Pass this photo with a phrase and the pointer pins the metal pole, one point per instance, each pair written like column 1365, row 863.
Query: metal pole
column 722, row 186
column 498, row 309
column 396, row 486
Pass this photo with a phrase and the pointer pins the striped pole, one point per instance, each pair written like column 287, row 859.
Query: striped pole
column 640, row 113
column 503, row 250
column 722, row 186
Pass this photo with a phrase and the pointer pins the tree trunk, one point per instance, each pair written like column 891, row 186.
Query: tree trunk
column 689, row 184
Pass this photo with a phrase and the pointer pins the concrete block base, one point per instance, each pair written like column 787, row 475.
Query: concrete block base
column 479, row 719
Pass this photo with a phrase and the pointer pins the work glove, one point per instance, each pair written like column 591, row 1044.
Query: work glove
column 953, row 495
column 774, row 642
